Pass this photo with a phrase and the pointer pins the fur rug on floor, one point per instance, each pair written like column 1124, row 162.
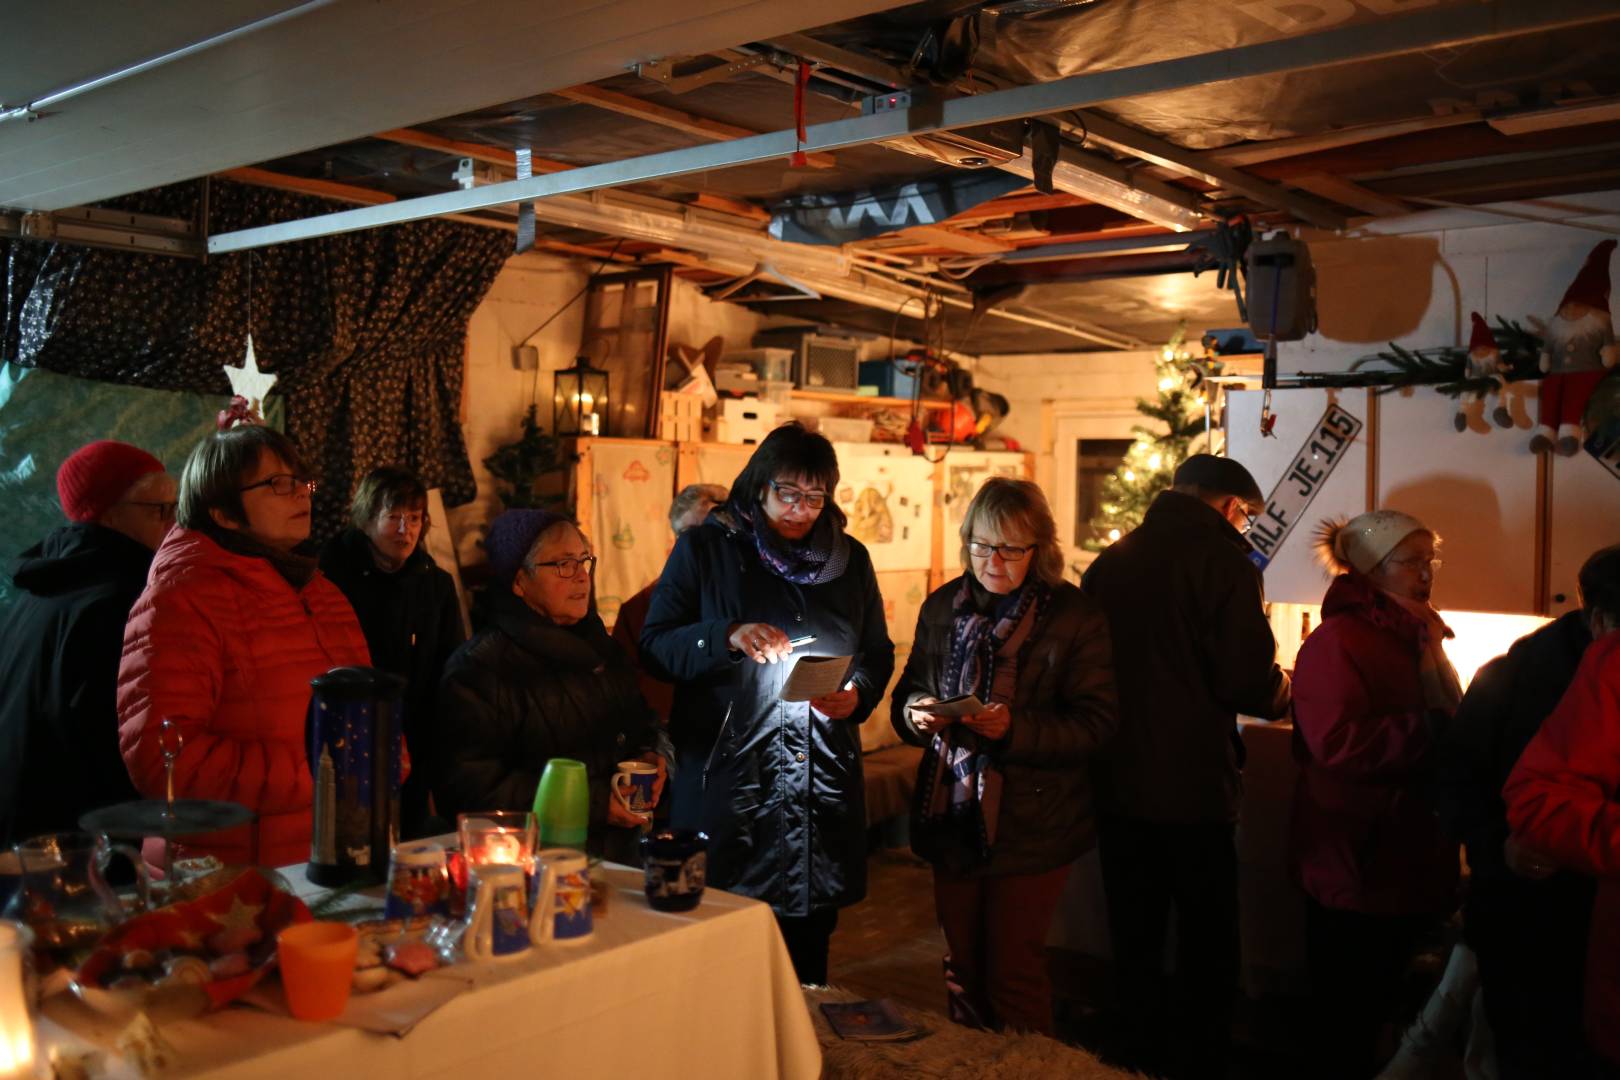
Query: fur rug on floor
column 949, row 1052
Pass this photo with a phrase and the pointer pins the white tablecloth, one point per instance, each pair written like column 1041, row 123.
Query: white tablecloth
column 708, row 992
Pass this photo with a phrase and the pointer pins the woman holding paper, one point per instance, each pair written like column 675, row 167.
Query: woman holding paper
column 772, row 775
column 1010, row 687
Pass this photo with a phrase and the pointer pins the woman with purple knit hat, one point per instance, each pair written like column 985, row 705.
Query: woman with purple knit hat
column 541, row 679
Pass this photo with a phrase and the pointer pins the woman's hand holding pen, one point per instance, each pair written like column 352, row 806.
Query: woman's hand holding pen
column 760, row 642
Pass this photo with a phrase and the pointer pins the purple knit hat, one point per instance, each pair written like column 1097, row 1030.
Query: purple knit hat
column 510, row 537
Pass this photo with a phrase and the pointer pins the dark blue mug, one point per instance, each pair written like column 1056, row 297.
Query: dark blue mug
column 675, row 862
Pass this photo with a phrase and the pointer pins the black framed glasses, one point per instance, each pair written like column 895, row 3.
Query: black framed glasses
column 566, row 568
column 163, row 511
column 1008, row 552
column 793, row 496
column 283, row 484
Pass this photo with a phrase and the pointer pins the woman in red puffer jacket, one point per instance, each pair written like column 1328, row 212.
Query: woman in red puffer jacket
column 1563, row 802
column 224, row 641
column 1371, row 686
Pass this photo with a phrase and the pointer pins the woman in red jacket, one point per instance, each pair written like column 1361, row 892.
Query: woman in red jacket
column 224, row 641
column 1370, row 687
column 1563, row 804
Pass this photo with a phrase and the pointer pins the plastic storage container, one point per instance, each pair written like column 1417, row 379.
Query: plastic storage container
column 744, row 420
column 841, row 428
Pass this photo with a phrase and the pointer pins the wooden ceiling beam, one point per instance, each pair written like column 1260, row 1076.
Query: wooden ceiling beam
column 1350, row 193
column 678, row 119
column 489, row 155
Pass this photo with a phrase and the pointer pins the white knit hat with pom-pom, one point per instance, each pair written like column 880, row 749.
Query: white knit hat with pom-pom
column 1362, row 542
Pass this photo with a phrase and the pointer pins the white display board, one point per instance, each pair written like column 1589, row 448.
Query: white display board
column 888, row 495
column 965, row 472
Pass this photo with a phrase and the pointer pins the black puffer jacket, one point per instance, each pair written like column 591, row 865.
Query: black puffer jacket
column 60, row 646
column 525, row 690
column 1063, row 711
column 412, row 623
column 1192, row 649
column 778, row 789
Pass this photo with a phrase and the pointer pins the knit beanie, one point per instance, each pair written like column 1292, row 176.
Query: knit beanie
column 1362, row 542
column 510, row 537
column 96, row 476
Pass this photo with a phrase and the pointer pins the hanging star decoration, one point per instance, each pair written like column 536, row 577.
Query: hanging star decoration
column 249, row 383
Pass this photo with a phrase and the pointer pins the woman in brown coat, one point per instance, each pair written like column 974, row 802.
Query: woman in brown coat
column 1003, row 803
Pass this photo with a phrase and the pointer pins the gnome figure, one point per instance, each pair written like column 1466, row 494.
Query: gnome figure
column 1579, row 346
column 1484, row 362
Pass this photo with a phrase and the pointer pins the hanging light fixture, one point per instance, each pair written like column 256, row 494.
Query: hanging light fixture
column 17, row 1051
column 579, row 400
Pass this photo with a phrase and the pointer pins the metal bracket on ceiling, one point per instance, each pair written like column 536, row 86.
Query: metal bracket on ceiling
column 678, row 77
column 117, row 229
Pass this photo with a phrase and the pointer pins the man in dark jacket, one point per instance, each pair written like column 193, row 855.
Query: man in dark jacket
column 61, row 642
column 1527, row 922
column 1192, row 649
column 407, row 607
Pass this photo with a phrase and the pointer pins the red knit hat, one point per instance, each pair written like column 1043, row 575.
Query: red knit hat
column 1591, row 285
column 96, row 476
column 1482, row 337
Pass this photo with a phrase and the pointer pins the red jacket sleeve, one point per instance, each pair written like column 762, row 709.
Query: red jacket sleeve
column 1335, row 715
column 172, row 669
column 1561, row 796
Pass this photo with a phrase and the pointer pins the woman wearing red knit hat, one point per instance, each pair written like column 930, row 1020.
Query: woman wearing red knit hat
column 61, row 640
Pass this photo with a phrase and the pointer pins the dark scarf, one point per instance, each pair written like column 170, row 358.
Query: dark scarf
column 959, row 797
column 820, row 557
column 296, row 569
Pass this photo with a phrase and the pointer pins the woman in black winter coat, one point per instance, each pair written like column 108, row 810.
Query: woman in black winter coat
column 407, row 607
column 542, row 680
column 1003, row 802
column 776, row 784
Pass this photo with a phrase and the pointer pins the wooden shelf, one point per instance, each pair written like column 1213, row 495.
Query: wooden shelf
column 836, row 398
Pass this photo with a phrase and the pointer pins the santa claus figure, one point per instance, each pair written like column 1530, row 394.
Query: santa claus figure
column 1579, row 346
column 1484, row 362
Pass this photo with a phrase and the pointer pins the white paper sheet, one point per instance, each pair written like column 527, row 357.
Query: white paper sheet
column 961, row 705
column 815, row 676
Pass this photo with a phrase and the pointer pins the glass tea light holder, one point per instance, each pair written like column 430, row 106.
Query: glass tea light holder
column 497, row 837
column 579, row 400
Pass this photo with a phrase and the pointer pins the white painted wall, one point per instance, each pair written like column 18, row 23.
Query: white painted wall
column 1414, row 281
column 529, row 290
column 1028, row 380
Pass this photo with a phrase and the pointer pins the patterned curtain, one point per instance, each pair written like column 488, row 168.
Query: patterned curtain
column 365, row 330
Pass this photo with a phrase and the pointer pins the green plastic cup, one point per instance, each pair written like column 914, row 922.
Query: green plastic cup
column 562, row 804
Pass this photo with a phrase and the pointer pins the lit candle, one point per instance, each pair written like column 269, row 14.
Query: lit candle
column 16, row 1026
column 500, row 847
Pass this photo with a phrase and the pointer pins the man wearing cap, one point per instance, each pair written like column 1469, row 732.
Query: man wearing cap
column 61, row 642
column 1192, row 650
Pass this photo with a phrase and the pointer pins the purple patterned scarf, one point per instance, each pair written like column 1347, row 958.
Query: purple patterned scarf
column 820, row 557
column 959, row 792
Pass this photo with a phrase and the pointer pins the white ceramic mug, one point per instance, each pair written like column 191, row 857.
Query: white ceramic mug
column 500, row 920
column 562, row 896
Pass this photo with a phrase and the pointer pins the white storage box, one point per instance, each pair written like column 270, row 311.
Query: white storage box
column 744, row 420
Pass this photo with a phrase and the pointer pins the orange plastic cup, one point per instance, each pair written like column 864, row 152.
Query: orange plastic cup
column 317, row 967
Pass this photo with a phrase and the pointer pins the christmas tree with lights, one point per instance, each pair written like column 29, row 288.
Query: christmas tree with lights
column 1184, row 395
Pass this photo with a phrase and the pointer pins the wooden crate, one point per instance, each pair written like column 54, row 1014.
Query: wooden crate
column 680, row 417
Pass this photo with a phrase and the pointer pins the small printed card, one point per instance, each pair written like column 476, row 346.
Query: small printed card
column 958, row 706
column 869, row 1021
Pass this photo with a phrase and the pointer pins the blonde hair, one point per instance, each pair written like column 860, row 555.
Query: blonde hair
column 1004, row 501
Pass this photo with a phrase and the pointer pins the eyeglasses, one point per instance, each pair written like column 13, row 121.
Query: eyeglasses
column 163, row 511
column 566, row 568
column 283, row 484
column 1417, row 564
column 394, row 521
column 792, row 496
column 1008, row 552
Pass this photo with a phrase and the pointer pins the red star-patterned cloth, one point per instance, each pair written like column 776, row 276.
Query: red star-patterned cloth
column 242, row 917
